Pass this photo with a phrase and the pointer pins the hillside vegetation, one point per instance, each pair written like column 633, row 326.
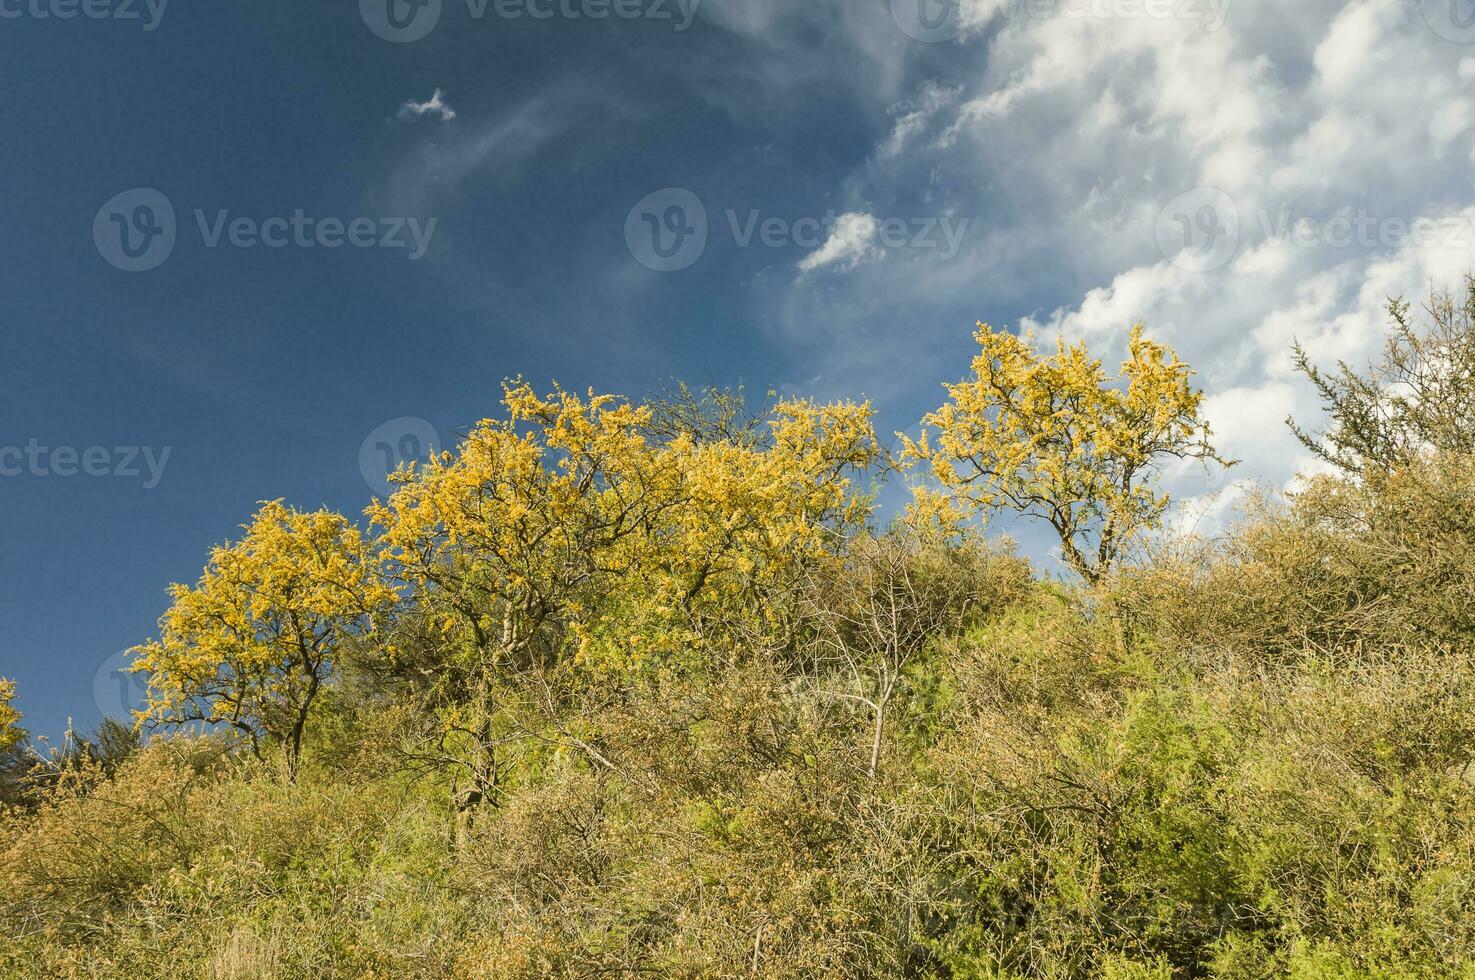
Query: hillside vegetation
column 642, row 688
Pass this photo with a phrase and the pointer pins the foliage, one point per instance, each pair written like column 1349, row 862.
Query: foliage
column 891, row 597
column 1347, row 564
column 1053, row 438
column 652, row 700
column 10, row 733
column 1416, row 400
column 550, row 521
column 252, row 644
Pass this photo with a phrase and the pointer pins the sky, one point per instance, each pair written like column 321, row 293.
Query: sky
column 257, row 250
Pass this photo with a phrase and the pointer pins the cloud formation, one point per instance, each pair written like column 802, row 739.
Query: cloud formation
column 1238, row 176
column 852, row 243
column 435, row 106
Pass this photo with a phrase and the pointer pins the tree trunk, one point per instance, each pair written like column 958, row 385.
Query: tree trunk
column 876, row 736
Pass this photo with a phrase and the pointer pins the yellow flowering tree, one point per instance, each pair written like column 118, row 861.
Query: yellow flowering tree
column 591, row 530
column 1053, row 437
column 755, row 511
column 590, row 525
column 252, row 644
column 10, row 734
column 504, row 540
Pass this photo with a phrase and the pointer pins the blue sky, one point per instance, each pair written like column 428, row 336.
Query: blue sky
column 872, row 182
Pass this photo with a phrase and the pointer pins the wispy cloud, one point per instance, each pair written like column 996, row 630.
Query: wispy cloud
column 851, row 243
column 435, row 106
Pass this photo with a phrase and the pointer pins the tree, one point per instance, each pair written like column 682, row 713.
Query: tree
column 601, row 528
column 10, row 733
column 597, row 532
column 252, row 644
column 507, row 539
column 1418, row 399
column 760, row 508
column 707, row 415
column 1054, row 438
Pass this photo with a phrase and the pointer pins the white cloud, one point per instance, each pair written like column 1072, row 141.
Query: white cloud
column 915, row 118
column 1072, row 133
column 436, row 106
column 440, row 162
column 852, row 243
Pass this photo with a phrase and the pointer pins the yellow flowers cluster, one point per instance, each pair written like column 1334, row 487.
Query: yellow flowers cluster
column 570, row 521
column 1053, row 437
column 9, row 717
column 251, row 644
